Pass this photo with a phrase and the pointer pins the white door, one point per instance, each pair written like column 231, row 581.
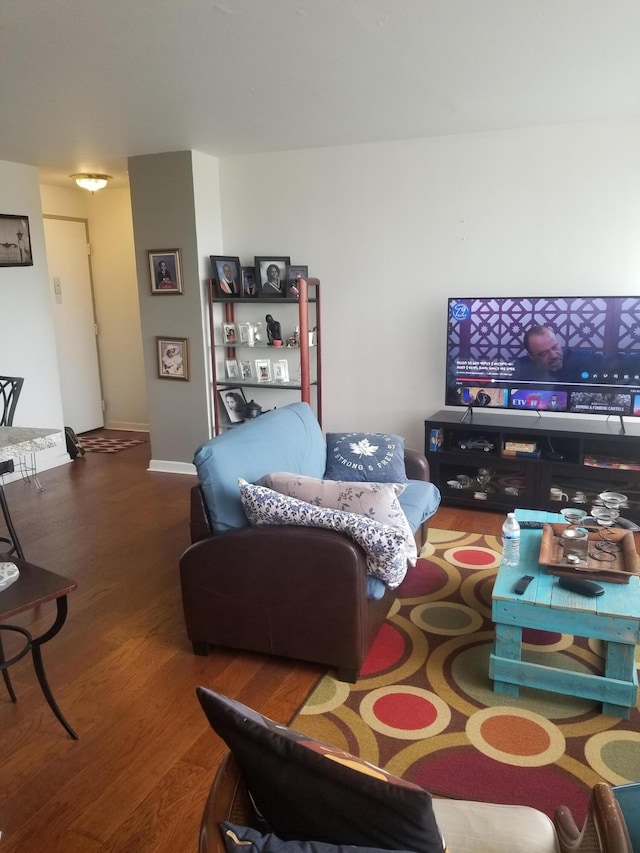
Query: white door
column 75, row 324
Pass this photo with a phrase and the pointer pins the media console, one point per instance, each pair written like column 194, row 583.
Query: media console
column 528, row 456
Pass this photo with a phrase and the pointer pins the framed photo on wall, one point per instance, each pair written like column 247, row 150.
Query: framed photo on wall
column 271, row 275
column 173, row 358
column 165, row 271
column 15, row 241
column 226, row 273
column 233, row 403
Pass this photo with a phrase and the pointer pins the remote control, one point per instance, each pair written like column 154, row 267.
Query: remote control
column 531, row 525
column 581, row 585
column 522, row 584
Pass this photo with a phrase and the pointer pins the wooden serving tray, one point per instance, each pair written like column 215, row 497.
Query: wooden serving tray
column 618, row 570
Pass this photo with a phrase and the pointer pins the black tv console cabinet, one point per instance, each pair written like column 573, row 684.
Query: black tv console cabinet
column 528, row 456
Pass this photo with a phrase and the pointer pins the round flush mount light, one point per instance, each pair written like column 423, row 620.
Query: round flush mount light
column 91, row 182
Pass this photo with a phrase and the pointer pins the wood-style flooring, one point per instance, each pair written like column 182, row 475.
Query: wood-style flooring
column 122, row 669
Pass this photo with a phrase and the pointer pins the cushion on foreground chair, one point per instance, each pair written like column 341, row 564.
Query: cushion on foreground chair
column 280, row 790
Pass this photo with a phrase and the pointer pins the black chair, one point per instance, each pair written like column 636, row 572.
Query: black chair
column 10, row 388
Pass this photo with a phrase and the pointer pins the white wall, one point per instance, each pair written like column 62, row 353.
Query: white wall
column 28, row 341
column 115, row 287
column 393, row 229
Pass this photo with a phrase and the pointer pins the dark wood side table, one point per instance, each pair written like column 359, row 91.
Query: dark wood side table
column 34, row 586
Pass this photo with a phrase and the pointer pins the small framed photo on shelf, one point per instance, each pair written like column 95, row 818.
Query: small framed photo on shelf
column 263, row 369
column 281, row 370
column 15, row 241
column 233, row 402
column 233, row 371
column 292, row 283
column 246, row 372
column 164, row 268
column 173, row 358
column 243, row 333
column 229, row 333
column 249, row 286
column 226, row 275
column 271, row 275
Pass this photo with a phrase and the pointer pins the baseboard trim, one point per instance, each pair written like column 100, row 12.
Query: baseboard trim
column 167, row 467
column 125, row 425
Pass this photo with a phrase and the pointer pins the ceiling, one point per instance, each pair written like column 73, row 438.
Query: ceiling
column 84, row 84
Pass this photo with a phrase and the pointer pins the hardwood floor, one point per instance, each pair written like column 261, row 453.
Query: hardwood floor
column 122, row 669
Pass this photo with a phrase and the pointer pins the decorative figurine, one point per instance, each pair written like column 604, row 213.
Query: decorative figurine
column 273, row 331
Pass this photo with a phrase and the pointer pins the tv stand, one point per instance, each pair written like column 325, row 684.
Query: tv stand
column 530, row 456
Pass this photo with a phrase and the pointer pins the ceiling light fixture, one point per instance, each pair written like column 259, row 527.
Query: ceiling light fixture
column 91, row 182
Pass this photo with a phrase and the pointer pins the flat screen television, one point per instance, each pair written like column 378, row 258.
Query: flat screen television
column 579, row 355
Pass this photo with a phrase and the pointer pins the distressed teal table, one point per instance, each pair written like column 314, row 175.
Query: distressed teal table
column 613, row 618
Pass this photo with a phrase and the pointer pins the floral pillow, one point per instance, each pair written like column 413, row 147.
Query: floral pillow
column 383, row 545
column 378, row 501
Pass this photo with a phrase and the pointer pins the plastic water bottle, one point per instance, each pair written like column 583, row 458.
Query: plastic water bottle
column 510, row 541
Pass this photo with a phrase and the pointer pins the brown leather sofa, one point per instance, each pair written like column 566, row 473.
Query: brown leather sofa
column 290, row 591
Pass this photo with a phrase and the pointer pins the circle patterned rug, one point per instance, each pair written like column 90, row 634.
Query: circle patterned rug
column 424, row 707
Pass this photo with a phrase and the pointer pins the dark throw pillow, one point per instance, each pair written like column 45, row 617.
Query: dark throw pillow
column 310, row 791
column 369, row 457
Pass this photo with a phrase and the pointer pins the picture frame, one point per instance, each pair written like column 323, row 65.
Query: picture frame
column 272, row 275
column 243, row 334
column 173, row 358
column 246, row 371
column 281, row 370
column 233, row 402
column 15, row 241
column 294, row 271
column 249, row 286
column 233, row 371
column 226, row 275
column 229, row 334
column 263, row 369
column 165, row 271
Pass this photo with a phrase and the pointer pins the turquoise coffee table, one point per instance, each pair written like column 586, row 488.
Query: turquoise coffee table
column 613, row 618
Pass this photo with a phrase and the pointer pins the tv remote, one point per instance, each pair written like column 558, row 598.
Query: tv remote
column 522, row 584
column 581, row 585
column 531, row 525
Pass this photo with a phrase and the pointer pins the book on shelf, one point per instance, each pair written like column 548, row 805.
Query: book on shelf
column 611, row 462
column 531, row 454
column 523, row 446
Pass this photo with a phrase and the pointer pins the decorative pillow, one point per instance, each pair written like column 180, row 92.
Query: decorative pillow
column 369, row 457
column 307, row 790
column 243, row 839
column 383, row 545
column 378, row 501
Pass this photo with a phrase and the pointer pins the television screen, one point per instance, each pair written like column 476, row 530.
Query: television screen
column 557, row 354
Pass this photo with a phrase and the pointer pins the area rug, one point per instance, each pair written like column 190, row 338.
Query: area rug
column 425, row 710
column 98, row 444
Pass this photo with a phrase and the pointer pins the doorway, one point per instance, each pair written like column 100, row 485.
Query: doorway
column 69, row 262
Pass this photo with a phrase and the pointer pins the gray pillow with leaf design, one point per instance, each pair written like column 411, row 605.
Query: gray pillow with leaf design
column 366, row 457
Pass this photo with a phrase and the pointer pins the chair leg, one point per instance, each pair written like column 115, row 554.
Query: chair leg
column 5, row 675
column 14, row 541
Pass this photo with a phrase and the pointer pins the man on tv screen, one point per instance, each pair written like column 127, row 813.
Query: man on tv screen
column 548, row 361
